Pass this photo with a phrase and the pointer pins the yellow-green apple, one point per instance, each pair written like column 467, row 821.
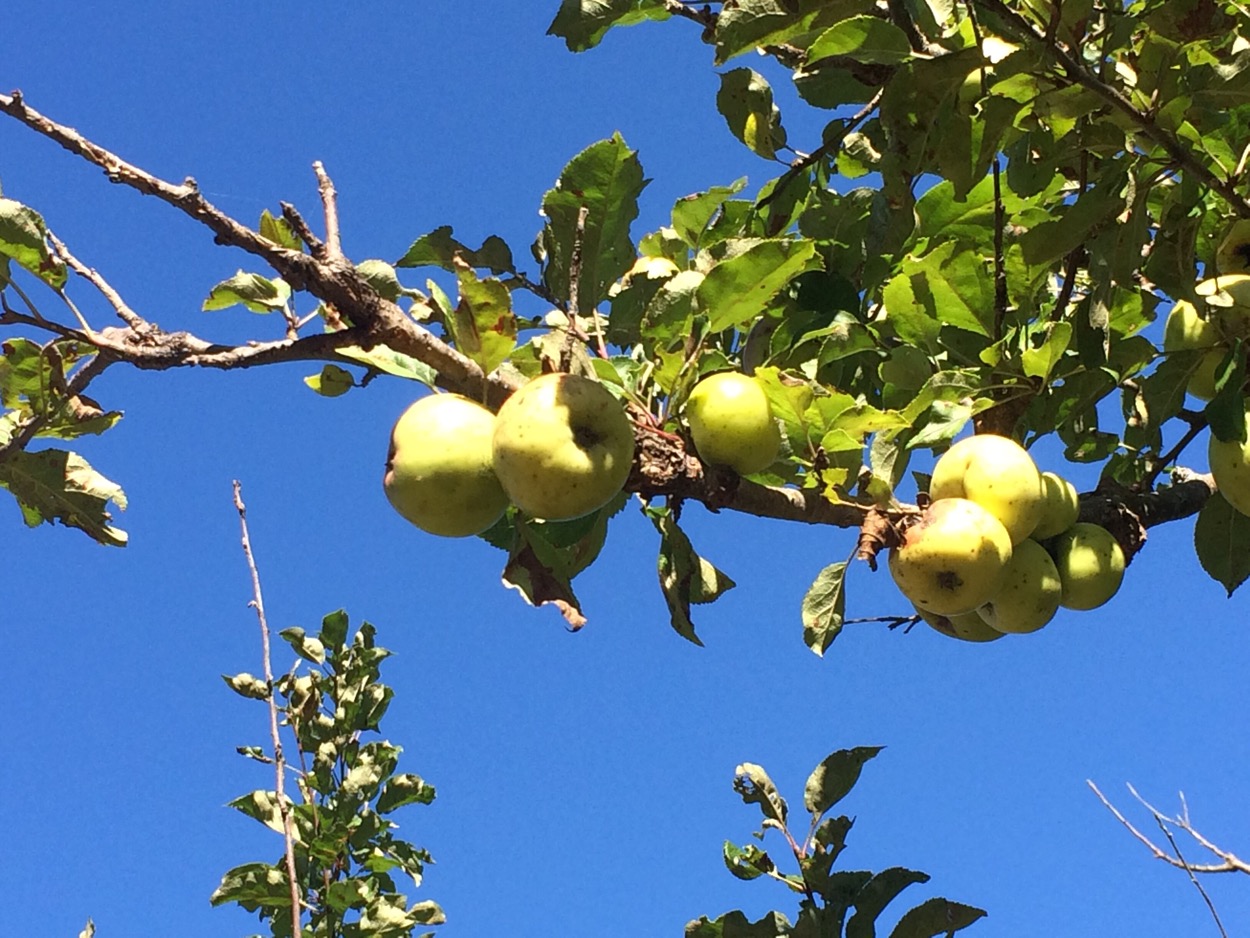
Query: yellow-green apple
column 998, row 474
column 1030, row 593
column 731, row 423
column 952, row 559
column 562, row 446
column 1187, row 329
column 1062, row 507
column 1230, row 465
column 1233, row 254
column 968, row 626
column 439, row 473
column 1090, row 563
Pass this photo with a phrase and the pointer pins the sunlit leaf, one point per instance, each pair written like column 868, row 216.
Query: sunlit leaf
column 23, row 237
column 582, row 23
column 745, row 99
column 833, row 779
column 55, row 485
column 254, row 292
column 824, row 607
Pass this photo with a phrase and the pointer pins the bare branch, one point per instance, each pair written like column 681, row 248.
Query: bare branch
column 279, row 761
column 91, row 275
column 330, row 209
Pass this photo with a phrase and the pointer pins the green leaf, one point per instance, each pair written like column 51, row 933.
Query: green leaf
column 440, row 249
column 279, row 231
column 685, row 577
column 304, row 645
column 749, row 24
column 55, row 485
column 736, row 925
column 824, row 607
column 606, row 179
column 385, row 359
column 864, row 39
column 755, row 787
column 23, row 237
column 1222, row 541
column 737, row 289
column 582, row 23
column 263, row 806
column 253, row 886
column 949, row 286
column 331, row 381
column 749, row 862
column 875, row 895
column 936, row 917
column 247, row 685
column 1039, row 362
column 693, row 213
column 834, row 778
column 745, row 99
column 256, row 293
column 381, row 277
column 482, row 325
column 402, row 790
column 539, row 571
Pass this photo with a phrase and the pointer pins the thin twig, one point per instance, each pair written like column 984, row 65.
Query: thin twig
column 92, row 276
column 1193, row 878
column 288, row 825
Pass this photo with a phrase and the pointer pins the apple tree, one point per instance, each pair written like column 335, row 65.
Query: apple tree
column 1008, row 197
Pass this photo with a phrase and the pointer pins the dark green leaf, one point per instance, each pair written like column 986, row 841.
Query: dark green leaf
column 685, row 577
column 252, row 886
column 606, row 179
column 1222, row 540
column 936, row 917
column 745, row 99
column 440, row 249
column 876, row 894
column 23, row 237
column 749, row 862
column 256, row 293
column 55, row 485
column 582, row 23
column 748, row 24
column 833, row 779
column 737, row 925
column 402, row 790
column 823, row 608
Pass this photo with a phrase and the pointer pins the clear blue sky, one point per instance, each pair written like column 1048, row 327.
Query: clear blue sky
column 584, row 779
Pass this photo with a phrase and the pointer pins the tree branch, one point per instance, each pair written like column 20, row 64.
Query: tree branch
column 1145, row 122
column 279, row 761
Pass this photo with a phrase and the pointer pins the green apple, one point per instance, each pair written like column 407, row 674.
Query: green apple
column 952, row 559
column 1063, row 506
column 563, row 446
column 1030, row 592
column 998, row 474
column 1230, row 465
column 968, row 626
column 1090, row 563
column 1233, row 254
column 1187, row 329
column 438, row 472
column 731, row 423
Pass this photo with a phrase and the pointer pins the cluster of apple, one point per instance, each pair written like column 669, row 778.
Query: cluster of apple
column 999, row 549
column 559, row 448
column 1218, row 327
